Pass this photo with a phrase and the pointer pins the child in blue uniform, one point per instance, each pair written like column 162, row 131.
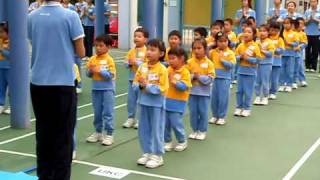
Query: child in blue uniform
column 135, row 57
column 102, row 70
column 4, row 67
column 277, row 58
column 202, row 75
column 224, row 60
column 176, row 99
column 151, row 81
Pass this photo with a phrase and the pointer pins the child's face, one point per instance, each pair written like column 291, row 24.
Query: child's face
column 227, row 26
column 174, row 41
column 244, row 26
column 197, row 35
column 153, row 54
column 215, row 30
column 287, row 25
column 248, row 34
column 222, row 43
column 175, row 62
column 254, row 24
column 3, row 34
column 274, row 32
column 198, row 50
column 291, row 7
column 263, row 33
column 101, row 48
column 277, row 2
column 139, row 39
column 301, row 25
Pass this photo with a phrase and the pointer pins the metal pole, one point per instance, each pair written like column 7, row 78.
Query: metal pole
column 216, row 10
column 153, row 17
column 100, row 18
column 260, row 11
column 19, row 81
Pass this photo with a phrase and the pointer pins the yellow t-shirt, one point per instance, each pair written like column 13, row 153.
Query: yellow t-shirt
column 181, row 75
column 104, row 61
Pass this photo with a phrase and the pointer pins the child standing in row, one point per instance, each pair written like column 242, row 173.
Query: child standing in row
column 202, row 74
column 291, row 40
column 174, row 40
column 102, row 70
column 152, row 82
column 299, row 75
column 176, row 99
column 135, row 58
column 224, row 60
column 4, row 67
column 265, row 66
column 247, row 53
column 277, row 59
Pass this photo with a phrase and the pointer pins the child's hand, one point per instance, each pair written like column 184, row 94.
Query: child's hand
column 244, row 56
column 297, row 48
column 142, row 81
column 196, row 75
column 131, row 61
column 172, row 79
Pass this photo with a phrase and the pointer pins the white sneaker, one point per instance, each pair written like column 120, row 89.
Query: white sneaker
column 168, row 147
column 193, row 135
column 288, row 89
column 272, row 97
column 264, row 101
column 246, row 113
column 129, row 123
column 154, row 162
column 257, row 101
column 307, row 70
column 107, row 140
column 144, row 159
column 281, row 89
column 237, row 112
column 181, row 146
column 78, row 90
column 234, row 82
column 213, row 120
column 294, row 86
column 7, row 111
column 1, row 109
column 136, row 125
column 221, row 122
column 95, row 137
column 201, row 136
column 304, row 84
column 74, row 155
column 312, row 70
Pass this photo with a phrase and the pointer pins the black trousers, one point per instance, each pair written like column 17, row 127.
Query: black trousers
column 89, row 39
column 55, row 112
column 312, row 52
column 107, row 29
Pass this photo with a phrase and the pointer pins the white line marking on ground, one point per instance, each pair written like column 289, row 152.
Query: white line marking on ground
column 33, row 133
column 303, row 159
column 79, row 107
column 96, row 165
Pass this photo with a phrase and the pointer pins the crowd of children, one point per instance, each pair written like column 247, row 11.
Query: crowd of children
column 163, row 81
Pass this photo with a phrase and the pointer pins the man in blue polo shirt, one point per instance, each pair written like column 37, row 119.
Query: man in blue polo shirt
column 312, row 16
column 107, row 14
column 56, row 35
